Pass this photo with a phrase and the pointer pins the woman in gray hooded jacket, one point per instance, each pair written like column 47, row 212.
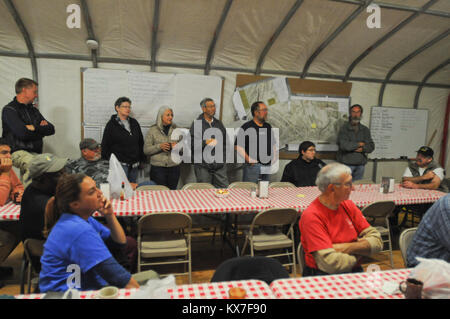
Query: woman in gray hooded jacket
column 158, row 145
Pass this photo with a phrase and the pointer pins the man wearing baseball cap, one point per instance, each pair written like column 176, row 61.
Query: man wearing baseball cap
column 423, row 172
column 90, row 162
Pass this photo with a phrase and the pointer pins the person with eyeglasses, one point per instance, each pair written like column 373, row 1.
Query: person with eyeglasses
column 123, row 138
column 334, row 233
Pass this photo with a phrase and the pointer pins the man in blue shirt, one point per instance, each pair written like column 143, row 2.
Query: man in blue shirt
column 432, row 239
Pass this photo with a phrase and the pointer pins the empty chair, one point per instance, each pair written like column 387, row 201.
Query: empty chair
column 197, row 186
column 152, row 188
column 204, row 221
column 405, row 239
column 378, row 214
column 165, row 235
column 247, row 267
column 281, row 184
column 32, row 249
column 301, row 257
column 266, row 233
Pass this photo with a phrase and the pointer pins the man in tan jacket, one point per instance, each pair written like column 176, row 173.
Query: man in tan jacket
column 334, row 233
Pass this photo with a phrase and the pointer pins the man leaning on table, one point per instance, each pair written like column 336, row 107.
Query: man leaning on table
column 11, row 189
column 334, row 233
column 423, row 172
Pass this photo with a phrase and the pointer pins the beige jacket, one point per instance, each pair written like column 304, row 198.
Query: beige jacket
column 154, row 138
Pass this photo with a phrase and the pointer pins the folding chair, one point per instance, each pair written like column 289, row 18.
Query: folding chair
column 31, row 248
column 381, row 211
column 301, row 257
column 204, row 221
column 165, row 235
column 260, row 239
column 405, row 239
column 281, row 184
column 153, row 188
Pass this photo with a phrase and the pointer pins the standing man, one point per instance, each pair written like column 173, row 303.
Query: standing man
column 355, row 142
column 423, row 172
column 303, row 170
column 255, row 142
column 208, row 145
column 24, row 127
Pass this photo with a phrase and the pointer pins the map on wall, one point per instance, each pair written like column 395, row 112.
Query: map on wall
column 298, row 117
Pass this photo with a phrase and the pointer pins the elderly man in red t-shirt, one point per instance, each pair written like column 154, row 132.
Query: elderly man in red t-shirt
column 334, row 233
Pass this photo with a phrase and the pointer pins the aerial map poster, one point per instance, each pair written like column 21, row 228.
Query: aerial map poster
column 298, row 117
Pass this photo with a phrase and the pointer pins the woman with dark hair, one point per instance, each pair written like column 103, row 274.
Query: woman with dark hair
column 78, row 240
column 123, row 138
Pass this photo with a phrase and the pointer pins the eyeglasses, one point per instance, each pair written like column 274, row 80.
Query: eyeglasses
column 348, row 184
column 5, row 152
column 126, row 106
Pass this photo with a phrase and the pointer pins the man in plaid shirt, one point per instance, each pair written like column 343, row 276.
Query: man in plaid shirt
column 432, row 239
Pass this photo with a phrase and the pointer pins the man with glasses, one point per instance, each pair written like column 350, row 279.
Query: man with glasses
column 334, row 233
column 255, row 143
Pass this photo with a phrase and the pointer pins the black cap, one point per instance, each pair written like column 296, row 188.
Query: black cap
column 425, row 151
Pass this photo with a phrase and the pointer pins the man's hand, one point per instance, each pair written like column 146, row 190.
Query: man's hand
column 429, row 175
column 252, row 161
column 43, row 123
column 30, row 127
column 359, row 149
column 5, row 165
column 133, row 185
column 361, row 144
column 165, row 146
column 409, row 184
column 18, row 197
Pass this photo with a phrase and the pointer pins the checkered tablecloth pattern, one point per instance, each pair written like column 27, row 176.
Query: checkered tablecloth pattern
column 202, row 201
column 9, row 211
column 255, row 289
column 345, row 286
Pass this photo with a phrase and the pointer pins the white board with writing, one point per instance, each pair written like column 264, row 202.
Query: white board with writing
column 397, row 131
column 148, row 91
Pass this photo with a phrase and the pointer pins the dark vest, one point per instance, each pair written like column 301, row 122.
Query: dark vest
column 415, row 170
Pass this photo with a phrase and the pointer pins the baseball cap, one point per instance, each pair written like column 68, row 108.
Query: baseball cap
column 45, row 163
column 89, row 143
column 425, row 151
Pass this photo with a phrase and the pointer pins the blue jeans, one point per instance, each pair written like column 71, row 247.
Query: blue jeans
column 252, row 173
column 357, row 171
column 130, row 173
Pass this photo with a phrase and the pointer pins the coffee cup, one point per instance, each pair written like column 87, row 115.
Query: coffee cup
column 411, row 288
column 109, row 292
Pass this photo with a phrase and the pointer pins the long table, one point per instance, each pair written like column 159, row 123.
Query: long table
column 204, row 201
column 367, row 285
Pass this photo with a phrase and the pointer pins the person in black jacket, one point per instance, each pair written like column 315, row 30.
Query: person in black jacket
column 23, row 125
column 303, row 170
column 208, row 146
column 123, row 138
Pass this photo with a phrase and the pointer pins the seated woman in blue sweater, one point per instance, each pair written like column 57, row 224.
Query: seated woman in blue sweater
column 75, row 238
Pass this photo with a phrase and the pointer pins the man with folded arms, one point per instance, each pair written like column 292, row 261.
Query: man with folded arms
column 334, row 233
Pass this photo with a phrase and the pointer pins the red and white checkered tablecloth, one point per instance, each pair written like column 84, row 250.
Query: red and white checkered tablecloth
column 345, row 286
column 255, row 289
column 189, row 201
column 92, row 294
column 203, row 201
column 9, row 211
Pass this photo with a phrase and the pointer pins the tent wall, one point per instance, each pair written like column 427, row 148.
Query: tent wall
column 60, row 103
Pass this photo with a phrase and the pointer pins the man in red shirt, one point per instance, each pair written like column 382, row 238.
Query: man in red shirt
column 334, row 233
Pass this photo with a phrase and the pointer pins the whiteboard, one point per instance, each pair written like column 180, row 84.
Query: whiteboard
column 397, row 131
column 148, row 91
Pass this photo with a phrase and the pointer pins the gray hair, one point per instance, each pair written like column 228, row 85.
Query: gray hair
column 205, row 100
column 161, row 111
column 331, row 174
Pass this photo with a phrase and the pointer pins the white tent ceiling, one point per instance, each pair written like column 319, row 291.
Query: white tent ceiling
column 308, row 38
